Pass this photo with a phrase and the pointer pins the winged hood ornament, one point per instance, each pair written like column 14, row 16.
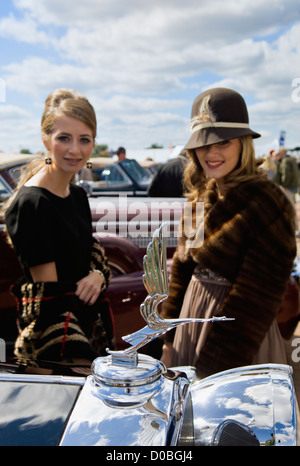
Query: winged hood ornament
column 155, row 280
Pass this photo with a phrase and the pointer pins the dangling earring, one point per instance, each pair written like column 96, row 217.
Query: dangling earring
column 89, row 164
column 48, row 160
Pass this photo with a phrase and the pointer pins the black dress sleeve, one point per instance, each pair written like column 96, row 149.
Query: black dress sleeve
column 30, row 225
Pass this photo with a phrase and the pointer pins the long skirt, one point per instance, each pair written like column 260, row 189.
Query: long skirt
column 203, row 298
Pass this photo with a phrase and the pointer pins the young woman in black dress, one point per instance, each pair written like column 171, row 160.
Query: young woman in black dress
column 63, row 313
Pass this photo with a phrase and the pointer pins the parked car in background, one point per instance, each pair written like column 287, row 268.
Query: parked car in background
column 137, row 218
column 107, row 177
column 151, row 165
column 114, row 213
column 10, row 170
column 113, row 177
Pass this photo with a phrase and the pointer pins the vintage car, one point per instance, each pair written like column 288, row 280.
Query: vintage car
column 248, row 406
column 131, row 399
column 137, row 218
column 107, row 177
column 10, row 168
column 113, row 177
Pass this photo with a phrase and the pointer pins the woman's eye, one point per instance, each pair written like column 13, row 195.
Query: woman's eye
column 223, row 143
column 85, row 140
column 63, row 138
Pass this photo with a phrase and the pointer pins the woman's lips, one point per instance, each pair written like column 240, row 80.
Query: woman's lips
column 73, row 161
column 213, row 165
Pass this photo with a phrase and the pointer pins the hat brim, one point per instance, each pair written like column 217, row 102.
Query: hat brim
column 208, row 136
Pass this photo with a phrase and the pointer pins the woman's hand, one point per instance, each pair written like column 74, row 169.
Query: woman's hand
column 89, row 287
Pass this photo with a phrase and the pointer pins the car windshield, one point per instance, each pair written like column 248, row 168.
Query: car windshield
column 111, row 175
column 135, row 170
column 4, row 190
column 34, row 414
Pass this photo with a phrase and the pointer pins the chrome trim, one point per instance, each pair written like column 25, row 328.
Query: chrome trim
column 261, row 397
column 121, row 383
column 42, row 378
column 157, row 421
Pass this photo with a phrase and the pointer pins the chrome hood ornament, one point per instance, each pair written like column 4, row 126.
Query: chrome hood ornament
column 155, row 279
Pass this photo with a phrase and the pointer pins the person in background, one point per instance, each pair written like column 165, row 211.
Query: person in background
column 63, row 313
column 269, row 165
column 287, row 176
column 121, row 153
column 168, row 180
column 287, row 173
column 241, row 268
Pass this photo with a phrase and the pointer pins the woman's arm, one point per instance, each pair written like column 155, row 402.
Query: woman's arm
column 44, row 272
column 88, row 288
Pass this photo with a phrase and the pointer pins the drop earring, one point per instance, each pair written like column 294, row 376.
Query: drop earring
column 89, row 164
column 48, row 160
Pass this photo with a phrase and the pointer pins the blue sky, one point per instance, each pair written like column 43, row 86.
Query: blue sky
column 141, row 64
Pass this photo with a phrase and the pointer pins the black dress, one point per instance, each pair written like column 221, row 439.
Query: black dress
column 47, row 228
column 53, row 322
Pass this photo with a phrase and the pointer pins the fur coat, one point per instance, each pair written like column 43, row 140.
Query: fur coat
column 249, row 239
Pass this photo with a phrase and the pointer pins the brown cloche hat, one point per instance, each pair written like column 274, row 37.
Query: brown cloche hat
column 218, row 115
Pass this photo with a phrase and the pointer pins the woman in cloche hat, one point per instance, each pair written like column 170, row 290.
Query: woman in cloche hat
column 241, row 267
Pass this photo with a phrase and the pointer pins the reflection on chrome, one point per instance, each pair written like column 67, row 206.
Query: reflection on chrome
column 132, row 399
column 260, row 397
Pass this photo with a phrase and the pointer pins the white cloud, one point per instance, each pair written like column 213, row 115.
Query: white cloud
column 146, row 120
column 34, row 75
column 141, row 64
column 19, row 129
column 243, row 16
column 24, row 30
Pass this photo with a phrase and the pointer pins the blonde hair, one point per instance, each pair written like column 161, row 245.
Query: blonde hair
column 195, row 179
column 70, row 103
column 60, row 102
